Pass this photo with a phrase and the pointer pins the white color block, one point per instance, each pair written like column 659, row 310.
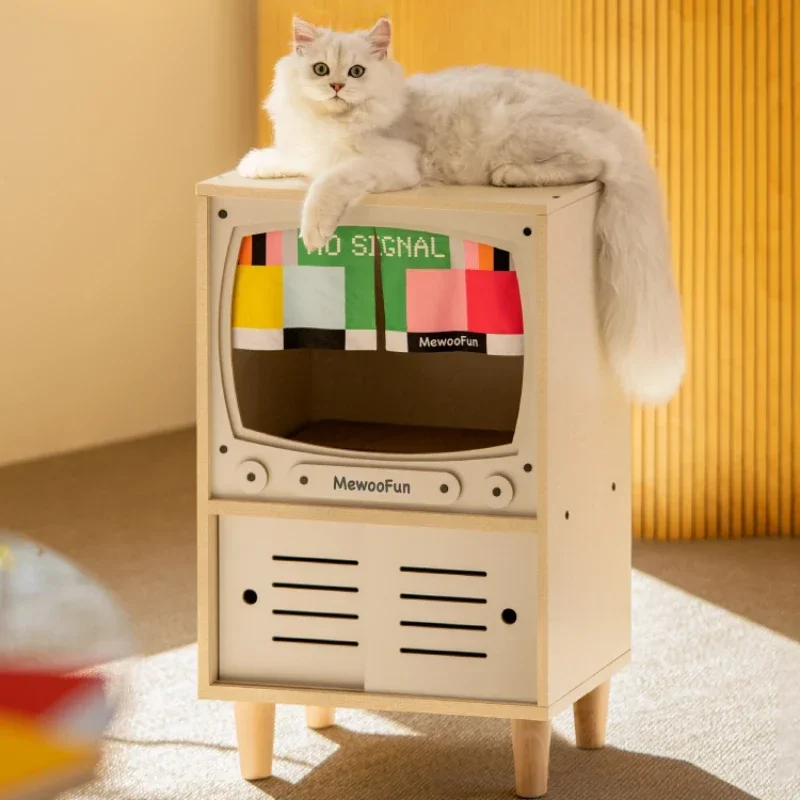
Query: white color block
column 257, row 339
column 313, row 297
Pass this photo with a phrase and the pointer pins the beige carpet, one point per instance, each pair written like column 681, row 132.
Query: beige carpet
column 709, row 710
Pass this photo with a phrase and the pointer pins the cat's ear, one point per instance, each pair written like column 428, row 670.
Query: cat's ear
column 380, row 37
column 304, row 34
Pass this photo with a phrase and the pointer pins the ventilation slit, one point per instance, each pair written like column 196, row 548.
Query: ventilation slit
column 288, row 612
column 298, row 640
column 450, row 626
column 348, row 562
column 315, row 587
column 470, row 573
column 438, row 598
column 419, row 651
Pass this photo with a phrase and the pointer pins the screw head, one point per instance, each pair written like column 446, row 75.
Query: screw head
column 444, row 488
column 223, row 448
column 527, row 467
column 250, row 597
column 509, row 616
column 222, row 213
column 303, row 480
column 527, row 231
column 251, row 476
column 497, row 491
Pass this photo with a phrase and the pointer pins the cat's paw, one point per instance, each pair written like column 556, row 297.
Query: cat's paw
column 264, row 164
column 318, row 225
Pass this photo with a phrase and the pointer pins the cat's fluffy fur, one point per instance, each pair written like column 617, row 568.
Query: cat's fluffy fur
column 480, row 125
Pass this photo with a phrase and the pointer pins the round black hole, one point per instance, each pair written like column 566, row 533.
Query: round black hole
column 251, row 476
column 496, row 491
column 613, row 487
column 249, row 596
column 509, row 616
column 303, row 480
column 222, row 213
column 444, row 488
column 527, row 231
column 223, row 448
column 566, row 515
column 528, row 467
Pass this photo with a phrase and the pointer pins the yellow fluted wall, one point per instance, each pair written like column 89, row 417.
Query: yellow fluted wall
column 716, row 87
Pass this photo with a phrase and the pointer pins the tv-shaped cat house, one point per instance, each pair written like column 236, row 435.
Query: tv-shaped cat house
column 413, row 462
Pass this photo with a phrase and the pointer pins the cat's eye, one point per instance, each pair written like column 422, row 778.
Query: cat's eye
column 320, row 69
column 356, row 71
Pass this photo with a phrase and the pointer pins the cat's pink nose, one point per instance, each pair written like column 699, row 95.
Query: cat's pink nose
column 336, row 86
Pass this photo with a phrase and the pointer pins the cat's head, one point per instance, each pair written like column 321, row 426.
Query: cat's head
column 343, row 74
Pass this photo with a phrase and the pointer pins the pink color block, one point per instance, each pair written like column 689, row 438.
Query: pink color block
column 493, row 302
column 275, row 248
column 436, row 300
column 471, row 255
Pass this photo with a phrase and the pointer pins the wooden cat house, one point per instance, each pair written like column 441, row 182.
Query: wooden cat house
column 414, row 463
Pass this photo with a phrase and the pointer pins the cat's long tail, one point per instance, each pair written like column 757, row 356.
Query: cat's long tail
column 639, row 305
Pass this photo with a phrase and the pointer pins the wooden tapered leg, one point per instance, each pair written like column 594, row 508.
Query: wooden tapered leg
column 531, row 742
column 320, row 716
column 591, row 715
column 255, row 733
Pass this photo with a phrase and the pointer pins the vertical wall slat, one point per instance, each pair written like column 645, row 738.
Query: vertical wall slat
column 710, row 407
column 763, row 257
column 738, row 379
column 642, row 66
column 771, row 43
column 749, row 272
column 795, row 310
column 658, row 21
column 675, row 52
column 697, row 217
column 789, row 259
column 726, row 269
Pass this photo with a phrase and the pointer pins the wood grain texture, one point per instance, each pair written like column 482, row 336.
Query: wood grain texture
column 530, row 740
column 255, row 736
column 715, row 86
column 591, row 715
column 318, row 717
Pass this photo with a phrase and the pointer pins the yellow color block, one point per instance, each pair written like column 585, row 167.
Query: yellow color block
column 258, row 298
column 31, row 755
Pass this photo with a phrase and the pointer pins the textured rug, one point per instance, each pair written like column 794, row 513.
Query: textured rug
column 709, row 709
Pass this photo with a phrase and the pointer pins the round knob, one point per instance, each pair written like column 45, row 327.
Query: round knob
column 499, row 491
column 251, row 477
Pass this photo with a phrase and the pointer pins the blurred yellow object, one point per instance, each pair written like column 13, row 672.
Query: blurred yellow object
column 6, row 557
column 36, row 759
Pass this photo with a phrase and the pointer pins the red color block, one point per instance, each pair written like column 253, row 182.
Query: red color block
column 493, row 302
column 35, row 692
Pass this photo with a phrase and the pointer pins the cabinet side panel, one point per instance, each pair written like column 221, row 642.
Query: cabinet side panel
column 588, row 496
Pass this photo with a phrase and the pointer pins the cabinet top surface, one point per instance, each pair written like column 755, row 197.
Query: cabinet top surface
column 530, row 200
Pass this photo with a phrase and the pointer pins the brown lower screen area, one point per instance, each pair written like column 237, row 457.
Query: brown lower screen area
column 377, row 437
column 376, row 401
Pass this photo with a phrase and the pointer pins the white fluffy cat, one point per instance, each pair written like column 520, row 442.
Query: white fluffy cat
column 345, row 116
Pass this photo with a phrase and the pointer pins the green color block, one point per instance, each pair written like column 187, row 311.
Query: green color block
column 414, row 249
column 393, row 276
column 349, row 246
column 359, row 296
